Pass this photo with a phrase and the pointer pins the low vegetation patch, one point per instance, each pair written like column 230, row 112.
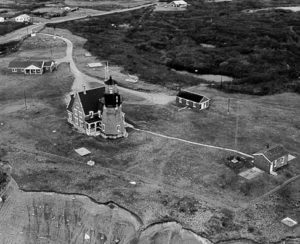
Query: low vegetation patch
column 260, row 50
column 8, row 27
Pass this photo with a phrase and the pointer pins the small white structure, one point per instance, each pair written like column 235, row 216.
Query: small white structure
column 179, row 4
column 68, row 9
column 289, row 222
column 95, row 65
column 23, row 18
column 2, row 19
column 82, row 151
column 91, row 163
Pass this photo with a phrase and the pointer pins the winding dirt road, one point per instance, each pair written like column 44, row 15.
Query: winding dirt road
column 21, row 33
column 82, row 79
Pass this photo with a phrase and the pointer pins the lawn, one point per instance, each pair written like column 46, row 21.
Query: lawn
column 175, row 180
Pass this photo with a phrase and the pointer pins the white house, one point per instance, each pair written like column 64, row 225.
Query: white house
column 179, row 4
column 2, row 20
column 23, row 18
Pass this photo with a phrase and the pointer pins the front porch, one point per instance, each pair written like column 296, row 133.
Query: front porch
column 93, row 127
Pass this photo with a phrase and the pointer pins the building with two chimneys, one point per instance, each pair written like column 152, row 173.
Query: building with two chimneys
column 98, row 111
column 31, row 67
column 23, row 18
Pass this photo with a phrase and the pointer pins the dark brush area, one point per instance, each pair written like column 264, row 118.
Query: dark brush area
column 260, row 50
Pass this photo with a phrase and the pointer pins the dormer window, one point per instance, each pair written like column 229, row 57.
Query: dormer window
column 99, row 113
column 91, row 113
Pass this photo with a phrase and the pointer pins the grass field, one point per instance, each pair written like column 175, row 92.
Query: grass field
column 175, row 181
column 259, row 50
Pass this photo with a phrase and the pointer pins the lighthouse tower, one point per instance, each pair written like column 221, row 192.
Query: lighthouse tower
column 113, row 119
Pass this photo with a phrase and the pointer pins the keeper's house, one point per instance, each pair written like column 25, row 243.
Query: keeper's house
column 192, row 100
column 271, row 159
column 98, row 111
column 31, row 67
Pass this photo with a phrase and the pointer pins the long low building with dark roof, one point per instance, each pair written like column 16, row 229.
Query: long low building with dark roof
column 192, row 100
column 30, row 67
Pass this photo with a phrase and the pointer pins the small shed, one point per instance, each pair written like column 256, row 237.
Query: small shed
column 192, row 100
column 271, row 158
column 179, row 4
column 2, row 19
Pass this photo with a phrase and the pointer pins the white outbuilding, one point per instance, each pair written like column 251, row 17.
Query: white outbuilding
column 23, row 18
column 2, row 19
column 179, row 4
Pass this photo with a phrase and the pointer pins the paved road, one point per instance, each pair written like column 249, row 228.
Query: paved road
column 21, row 33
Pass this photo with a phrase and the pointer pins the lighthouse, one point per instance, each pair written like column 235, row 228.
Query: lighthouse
column 113, row 119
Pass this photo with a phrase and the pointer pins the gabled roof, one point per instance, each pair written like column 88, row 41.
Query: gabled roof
column 91, row 99
column 192, row 96
column 23, row 16
column 25, row 63
column 179, row 2
column 272, row 153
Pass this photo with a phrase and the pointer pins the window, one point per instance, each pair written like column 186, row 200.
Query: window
column 279, row 162
column 76, row 120
column 180, row 100
column 75, row 112
column 80, row 123
column 38, row 71
column 80, row 114
column 186, row 102
column 103, row 127
column 91, row 113
column 22, row 70
column 70, row 117
column 194, row 105
column 14, row 70
column 118, row 128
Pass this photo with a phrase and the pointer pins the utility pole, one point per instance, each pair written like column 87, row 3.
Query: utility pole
column 25, row 100
column 236, row 125
column 228, row 105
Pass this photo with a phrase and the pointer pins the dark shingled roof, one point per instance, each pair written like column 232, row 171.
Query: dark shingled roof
column 70, row 105
column 91, row 100
column 192, row 96
column 21, row 64
column 110, row 82
column 274, row 152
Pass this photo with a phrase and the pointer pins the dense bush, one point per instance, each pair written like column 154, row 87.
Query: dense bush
column 8, row 27
column 261, row 50
column 3, row 179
